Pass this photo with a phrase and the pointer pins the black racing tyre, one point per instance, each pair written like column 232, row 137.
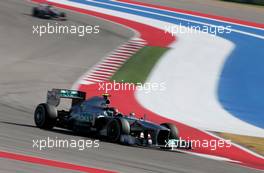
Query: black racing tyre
column 125, row 126
column 35, row 12
column 45, row 116
column 100, row 123
column 62, row 14
column 116, row 128
column 174, row 133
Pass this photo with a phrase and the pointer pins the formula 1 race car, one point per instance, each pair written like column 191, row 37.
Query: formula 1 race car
column 46, row 11
column 96, row 116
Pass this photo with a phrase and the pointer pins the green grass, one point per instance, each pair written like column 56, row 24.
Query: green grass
column 138, row 67
column 252, row 143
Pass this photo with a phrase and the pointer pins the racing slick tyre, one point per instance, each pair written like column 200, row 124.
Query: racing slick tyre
column 116, row 128
column 35, row 12
column 45, row 116
column 174, row 133
column 62, row 14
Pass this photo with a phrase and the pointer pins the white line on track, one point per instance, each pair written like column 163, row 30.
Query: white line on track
column 188, row 14
column 182, row 19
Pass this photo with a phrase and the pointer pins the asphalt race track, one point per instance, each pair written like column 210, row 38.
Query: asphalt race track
column 31, row 64
column 252, row 13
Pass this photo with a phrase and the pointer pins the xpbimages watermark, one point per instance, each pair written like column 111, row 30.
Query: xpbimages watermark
column 196, row 143
column 51, row 143
column 147, row 87
column 197, row 29
column 80, row 30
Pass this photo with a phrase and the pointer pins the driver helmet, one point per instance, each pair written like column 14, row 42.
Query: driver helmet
column 48, row 6
column 132, row 114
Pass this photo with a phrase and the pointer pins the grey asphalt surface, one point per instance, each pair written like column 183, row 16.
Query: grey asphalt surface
column 216, row 7
column 31, row 65
column 22, row 167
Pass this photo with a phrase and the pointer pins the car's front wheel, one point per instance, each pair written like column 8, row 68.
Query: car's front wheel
column 174, row 133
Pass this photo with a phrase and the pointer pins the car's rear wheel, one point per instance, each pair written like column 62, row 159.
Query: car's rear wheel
column 35, row 12
column 45, row 116
column 116, row 128
column 62, row 14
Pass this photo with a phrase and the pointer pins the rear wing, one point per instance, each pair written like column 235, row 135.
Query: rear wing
column 54, row 96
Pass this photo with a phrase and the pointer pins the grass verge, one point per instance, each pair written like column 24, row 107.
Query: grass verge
column 137, row 68
column 253, row 143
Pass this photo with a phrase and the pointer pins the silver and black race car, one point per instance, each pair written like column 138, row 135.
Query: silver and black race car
column 46, row 11
column 95, row 116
